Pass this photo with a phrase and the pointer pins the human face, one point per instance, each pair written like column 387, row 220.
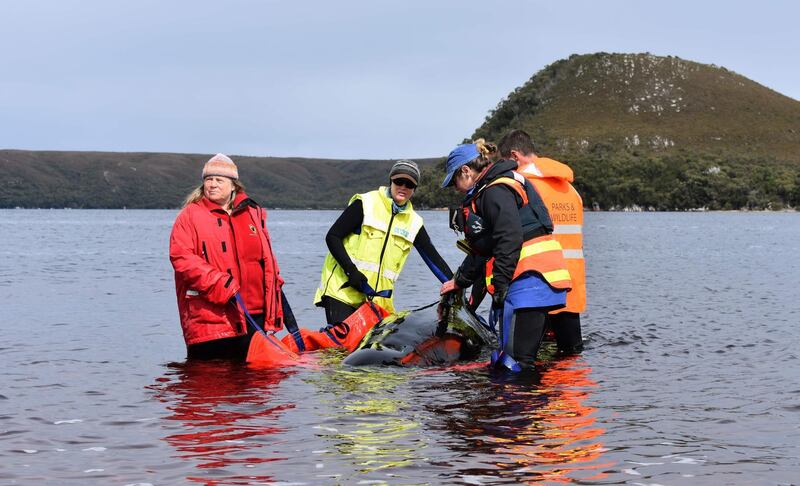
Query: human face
column 464, row 179
column 401, row 192
column 218, row 189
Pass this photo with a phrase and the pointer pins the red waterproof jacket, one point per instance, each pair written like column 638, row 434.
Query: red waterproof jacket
column 208, row 269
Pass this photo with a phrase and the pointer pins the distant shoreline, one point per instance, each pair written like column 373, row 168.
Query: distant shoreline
column 586, row 210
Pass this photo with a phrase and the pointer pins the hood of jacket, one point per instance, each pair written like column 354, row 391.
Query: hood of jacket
column 544, row 167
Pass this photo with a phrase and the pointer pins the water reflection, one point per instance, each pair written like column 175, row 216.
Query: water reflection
column 378, row 424
column 224, row 416
column 525, row 428
column 366, row 420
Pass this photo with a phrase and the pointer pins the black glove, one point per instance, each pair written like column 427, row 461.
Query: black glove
column 499, row 297
column 357, row 280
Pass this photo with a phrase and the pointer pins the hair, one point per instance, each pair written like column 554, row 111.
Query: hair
column 197, row 193
column 485, row 158
column 518, row 140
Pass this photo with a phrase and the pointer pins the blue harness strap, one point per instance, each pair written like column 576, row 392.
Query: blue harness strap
column 247, row 315
column 327, row 331
column 499, row 356
column 253, row 322
column 291, row 324
column 371, row 293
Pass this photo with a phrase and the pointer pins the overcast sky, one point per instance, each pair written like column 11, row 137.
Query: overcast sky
column 336, row 79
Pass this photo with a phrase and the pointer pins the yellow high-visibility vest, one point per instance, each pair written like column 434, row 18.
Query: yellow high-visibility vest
column 379, row 251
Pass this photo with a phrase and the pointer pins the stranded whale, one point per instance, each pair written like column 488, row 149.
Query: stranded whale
column 434, row 335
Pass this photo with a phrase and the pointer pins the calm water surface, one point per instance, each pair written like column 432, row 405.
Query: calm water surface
column 690, row 374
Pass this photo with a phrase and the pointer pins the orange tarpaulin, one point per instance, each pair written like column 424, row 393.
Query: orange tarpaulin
column 269, row 350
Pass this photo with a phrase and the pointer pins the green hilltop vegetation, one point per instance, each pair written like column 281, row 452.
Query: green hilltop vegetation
column 656, row 133
column 640, row 131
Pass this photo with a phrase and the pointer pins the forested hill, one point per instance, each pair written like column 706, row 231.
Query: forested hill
column 40, row 179
column 659, row 132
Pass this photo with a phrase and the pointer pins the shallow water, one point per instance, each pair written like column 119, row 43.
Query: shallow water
column 690, row 374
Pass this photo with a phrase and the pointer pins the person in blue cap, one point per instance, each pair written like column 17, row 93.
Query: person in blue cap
column 509, row 239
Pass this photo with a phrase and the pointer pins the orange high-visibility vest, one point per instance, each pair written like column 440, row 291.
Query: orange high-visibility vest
column 552, row 180
column 542, row 254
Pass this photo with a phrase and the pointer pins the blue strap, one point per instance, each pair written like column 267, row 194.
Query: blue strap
column 432, row 266
column 247, row 315
column 371, row 294
column 375, row 309
column 327, row 330
column 367, row 290
column 486, row 325
column 253, row 322
column 499, row 358
column 494, row 317
column 291, row 323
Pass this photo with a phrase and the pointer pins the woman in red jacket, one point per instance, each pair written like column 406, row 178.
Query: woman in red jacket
column 220, row 246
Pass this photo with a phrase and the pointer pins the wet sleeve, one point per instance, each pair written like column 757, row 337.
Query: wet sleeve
column 431, row 257
column 349, row 222
column 500, row 211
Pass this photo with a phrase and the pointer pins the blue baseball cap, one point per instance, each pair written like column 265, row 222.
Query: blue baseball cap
column 461, row 155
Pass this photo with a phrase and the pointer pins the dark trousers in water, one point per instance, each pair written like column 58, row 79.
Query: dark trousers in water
column 567, row 329
column 525, row 333
column 234, row 348
column 336, row 310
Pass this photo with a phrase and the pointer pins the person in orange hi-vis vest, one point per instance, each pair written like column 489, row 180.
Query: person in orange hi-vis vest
column 552, row 180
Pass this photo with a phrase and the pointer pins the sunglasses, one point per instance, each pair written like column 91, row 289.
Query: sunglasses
column 404, row 183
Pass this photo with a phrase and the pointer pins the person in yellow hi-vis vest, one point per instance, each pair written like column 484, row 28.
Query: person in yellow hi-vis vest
column 369, row 243
column 552, row 180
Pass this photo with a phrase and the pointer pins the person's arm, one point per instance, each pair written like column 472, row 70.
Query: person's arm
column 469, row 271
column 501, row 212
column 349, row 222
column 478, row 289
column 431, row 257
column 215, row 285
column 466, row 274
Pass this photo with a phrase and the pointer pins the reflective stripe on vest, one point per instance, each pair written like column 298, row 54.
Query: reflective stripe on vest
column 373, row 268
column 543, row 254
column 565, row 206
column 566, row 235
column 567, row 229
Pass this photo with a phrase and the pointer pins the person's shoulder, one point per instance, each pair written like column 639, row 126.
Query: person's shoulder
column 185, row 211
column 375, row 193
column 195, row 211
column 501, row 188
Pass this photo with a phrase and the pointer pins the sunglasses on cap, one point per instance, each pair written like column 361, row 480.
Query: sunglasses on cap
column 403, row 182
